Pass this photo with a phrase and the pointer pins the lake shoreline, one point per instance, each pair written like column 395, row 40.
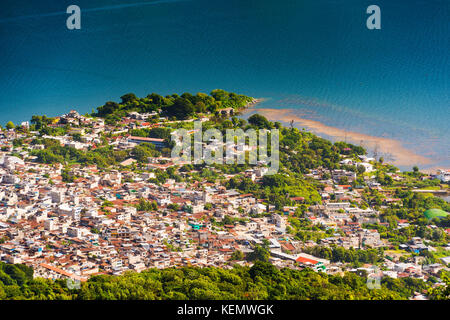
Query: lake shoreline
column 402, row 156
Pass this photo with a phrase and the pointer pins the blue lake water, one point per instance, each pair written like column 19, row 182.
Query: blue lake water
column 314, row 56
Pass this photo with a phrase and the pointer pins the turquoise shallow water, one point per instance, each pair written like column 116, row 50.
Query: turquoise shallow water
column 314, row 56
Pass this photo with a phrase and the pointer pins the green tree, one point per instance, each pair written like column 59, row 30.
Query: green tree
column 181, row 109
column 10, row 125
column 237, row 255
column 259, row 253
column 259, row 121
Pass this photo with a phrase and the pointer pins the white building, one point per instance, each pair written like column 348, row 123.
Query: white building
column 443, row 175
column 50, row 225
column 57, row 196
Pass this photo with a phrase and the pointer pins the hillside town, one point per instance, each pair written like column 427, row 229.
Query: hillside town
column 76, row 221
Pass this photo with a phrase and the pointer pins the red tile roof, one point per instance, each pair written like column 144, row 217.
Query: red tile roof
column 306, row 260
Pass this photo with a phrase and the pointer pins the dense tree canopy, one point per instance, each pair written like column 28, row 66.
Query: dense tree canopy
column 180, row 107
column 261, row 281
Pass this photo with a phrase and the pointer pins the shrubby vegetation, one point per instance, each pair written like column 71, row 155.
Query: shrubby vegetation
column 103, row 156
column 160, row 133
column 145, row 205
column 340, row 254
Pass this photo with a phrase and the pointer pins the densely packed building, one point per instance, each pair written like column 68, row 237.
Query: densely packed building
column 92, row 225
